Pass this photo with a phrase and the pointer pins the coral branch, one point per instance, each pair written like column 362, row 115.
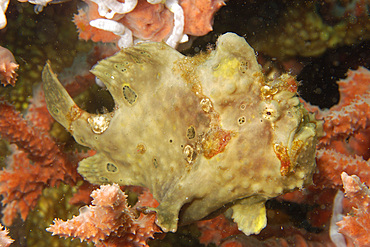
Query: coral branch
column 8, row 66
column 356, row 83
column 346, row 145
column 348, row 120
column 331, row 163
column 38, row 113
column 347, row 124
column 109, row 221
column 36, row 164
column 18, row 131
column 5, row 240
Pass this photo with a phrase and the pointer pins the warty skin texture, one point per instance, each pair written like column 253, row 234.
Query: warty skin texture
column 202, row 133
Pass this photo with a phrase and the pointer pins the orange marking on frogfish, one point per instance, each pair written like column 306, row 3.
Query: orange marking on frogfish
column 282, row 154
column 215, row 142
column 293, row 86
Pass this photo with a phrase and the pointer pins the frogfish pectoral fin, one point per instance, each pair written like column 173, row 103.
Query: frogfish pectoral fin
column 58, row 101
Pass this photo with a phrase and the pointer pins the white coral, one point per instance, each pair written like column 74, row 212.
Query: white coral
column 117, row 28
column 336, row 237
column 3, row 6
column 108, row 8
column 179, row 22
column 40, row 2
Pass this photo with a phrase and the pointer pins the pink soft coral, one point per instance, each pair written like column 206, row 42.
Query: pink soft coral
column 8, row 66
column 109, row 221
column 5, row 240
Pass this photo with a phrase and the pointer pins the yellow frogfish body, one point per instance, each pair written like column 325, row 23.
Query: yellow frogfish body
column 202, row 133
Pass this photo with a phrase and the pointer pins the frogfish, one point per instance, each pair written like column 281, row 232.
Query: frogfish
column 204, row 134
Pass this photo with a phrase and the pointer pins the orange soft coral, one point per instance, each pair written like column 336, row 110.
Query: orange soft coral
column 199, row 15
column 346, row 144
column 109, row 221
column 332, row 163
column 8, row 66
column 357, row 225
column 357, row 82
column 36, row 163
column 152, row 22
column 350, row 118
column 149, row 21
column 87, row 32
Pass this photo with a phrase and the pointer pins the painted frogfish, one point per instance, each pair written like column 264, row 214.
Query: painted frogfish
column 204, row 133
